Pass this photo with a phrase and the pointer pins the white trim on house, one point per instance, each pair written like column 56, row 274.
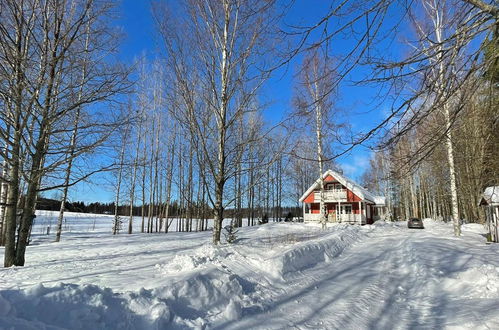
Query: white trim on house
column 347, row 218
column 349, row 184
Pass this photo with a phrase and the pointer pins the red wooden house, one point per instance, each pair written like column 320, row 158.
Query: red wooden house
column 344, row 201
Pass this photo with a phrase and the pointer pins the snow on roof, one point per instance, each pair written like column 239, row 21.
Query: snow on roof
column 491, row 195
column 350, row 184
column 380, row 200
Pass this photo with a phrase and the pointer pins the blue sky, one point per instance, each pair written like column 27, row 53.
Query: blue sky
column 356, row 101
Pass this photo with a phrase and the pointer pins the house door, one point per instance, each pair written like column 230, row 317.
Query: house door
column 344, row 212
column 344, row 209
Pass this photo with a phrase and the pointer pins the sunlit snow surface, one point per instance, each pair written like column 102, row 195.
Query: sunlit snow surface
column 276, row 276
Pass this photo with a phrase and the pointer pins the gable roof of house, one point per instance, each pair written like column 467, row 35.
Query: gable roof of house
column 490, row 196
column 349, row 184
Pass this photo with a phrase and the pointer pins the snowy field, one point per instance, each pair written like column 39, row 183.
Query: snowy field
column 82, row 223
column 277, row 276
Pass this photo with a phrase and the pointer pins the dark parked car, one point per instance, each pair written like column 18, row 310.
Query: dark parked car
column 415, row 223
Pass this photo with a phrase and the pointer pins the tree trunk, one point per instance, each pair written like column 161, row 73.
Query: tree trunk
column 134, row 177
column 4, row 187
column 169, row 179
column 318, row 133
column 443, row 95
column 72, row 142
column 117, row 221
column 11, row 207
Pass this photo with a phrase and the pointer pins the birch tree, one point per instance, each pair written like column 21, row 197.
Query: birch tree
column 313, row 102
column 43, row 46
column 74, row 135
column 435, row 12
column 368, row 26
column 121, row 165
column 230, row 37
column 135, row 167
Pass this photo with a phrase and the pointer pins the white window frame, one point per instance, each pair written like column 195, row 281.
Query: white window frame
column 343, row 209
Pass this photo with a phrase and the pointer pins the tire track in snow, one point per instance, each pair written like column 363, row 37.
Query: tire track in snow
column 363, row 308
column 334, row 306
column 270, row 287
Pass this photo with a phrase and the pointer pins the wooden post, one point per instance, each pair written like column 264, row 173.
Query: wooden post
column 339, row 211
column 360, row 212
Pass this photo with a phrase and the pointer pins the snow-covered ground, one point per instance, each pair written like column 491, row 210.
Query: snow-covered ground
column 276, row 276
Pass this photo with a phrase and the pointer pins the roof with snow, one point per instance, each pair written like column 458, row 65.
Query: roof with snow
column 490, row 196
column 380, row 200
column 349, row 184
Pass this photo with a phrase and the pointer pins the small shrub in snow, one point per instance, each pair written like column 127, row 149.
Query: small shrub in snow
column 230, row 233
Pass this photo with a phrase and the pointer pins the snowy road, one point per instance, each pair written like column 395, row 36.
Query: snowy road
column 277, row 276
column 395, row 278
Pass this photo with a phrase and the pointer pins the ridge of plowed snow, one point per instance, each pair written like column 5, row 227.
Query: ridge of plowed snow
column 313, row 251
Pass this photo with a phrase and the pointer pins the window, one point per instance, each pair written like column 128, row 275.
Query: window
column 333, row 186
column 348, row 209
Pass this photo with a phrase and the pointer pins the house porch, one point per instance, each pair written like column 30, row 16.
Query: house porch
column 350, row 212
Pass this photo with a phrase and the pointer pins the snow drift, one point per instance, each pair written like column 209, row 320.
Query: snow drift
column 315, row 250
column 208, row 296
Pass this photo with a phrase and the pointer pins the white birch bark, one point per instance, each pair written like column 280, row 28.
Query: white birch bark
column 134, row 175
column 72, row 143
column 169, row 177
column 438, row 24
column 221, row 126
column 117, row 224
column 318, row 132
column 4, row 186
column 316, row 98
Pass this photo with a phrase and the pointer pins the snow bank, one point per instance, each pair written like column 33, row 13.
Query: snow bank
column 382, row 225
column 474, row 228
column 309, row 253
column 197, row 259
column 476, row 282
column 67, row 306
column 211, row 296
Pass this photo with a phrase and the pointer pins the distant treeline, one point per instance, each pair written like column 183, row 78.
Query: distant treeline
column 98, row 207
column 175, row 211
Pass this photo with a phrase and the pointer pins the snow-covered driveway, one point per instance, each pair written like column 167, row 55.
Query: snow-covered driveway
column 395, row 278
column 277, row 276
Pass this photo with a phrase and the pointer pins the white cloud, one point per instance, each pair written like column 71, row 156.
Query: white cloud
column 356, row 165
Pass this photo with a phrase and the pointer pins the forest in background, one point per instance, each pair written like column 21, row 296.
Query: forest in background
column 187, row 130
